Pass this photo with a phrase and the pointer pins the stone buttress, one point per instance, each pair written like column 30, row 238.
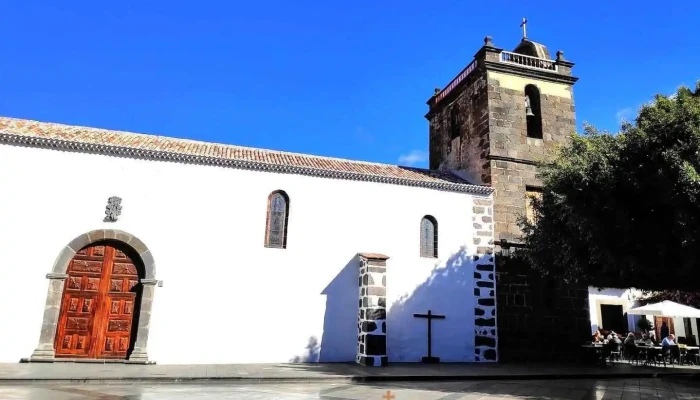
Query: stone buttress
column 485, row 329
column 371, row 321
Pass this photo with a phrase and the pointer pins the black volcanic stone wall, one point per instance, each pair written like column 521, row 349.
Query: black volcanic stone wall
column 371, row 321
column 485, row 330
column 540, row 319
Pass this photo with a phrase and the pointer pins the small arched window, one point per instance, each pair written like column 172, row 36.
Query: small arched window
column 428, row 237
column 533, row 112
column 277, row 220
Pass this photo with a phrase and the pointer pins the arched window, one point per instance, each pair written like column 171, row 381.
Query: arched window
column 533, row 113
column 530, row 194
column 277, row 218
column 428, row 237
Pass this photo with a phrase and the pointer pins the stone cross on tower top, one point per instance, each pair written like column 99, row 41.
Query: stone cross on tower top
column 524, row 26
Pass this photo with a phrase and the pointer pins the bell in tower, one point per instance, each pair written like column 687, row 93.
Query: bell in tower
column 528, row 107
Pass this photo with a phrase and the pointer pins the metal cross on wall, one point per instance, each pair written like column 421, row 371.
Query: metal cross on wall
column 524, row 26
column 430, row 316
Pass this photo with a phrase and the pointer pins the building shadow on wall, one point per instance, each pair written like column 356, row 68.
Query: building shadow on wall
column 311, row 353
column 448, row 291
column 339, row 340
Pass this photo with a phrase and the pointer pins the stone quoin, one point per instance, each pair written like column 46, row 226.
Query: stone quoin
column 371, row 317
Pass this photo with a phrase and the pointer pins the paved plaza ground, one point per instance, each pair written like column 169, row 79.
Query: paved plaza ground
column 115, row 381
column 584, row 389
column 329, row 373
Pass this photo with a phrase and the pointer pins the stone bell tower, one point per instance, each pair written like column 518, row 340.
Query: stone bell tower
column 502, row 113
column 491, row 124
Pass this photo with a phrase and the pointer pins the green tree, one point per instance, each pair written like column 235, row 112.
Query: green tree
column 644, row 325
column 624, row 210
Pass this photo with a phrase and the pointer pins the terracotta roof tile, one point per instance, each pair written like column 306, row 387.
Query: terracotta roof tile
column 94, row 136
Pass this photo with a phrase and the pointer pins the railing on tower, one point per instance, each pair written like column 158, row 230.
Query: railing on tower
column 528, row 61
column 465, row 72
column 505, row 57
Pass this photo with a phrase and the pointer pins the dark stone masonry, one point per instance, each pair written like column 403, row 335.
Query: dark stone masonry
column 504, row 112
column 371, row 321
column 539, row 319
column 485, row 342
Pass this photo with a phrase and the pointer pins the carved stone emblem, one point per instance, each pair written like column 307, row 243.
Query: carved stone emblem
column 114, row 209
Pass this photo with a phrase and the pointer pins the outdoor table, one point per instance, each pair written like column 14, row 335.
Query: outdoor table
column 691, row 350
column 648, row 355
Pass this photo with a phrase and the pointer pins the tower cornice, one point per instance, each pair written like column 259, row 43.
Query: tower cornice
column 536, row 73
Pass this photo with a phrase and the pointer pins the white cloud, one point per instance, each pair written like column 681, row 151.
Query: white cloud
column 413, row 158
column 673, row 92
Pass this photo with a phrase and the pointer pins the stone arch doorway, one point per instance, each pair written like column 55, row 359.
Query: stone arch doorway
column 100, row 302
column 88, row 315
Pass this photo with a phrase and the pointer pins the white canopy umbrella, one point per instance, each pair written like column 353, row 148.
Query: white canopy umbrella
column 666, row 309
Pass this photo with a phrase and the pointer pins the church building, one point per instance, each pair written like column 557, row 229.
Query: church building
column 140, row 248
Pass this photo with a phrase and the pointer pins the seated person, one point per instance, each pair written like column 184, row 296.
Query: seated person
column 652, row 336
column 614, row 339
column 647, row 341
column 668, row 341
column 629, row 340
column 596, row 337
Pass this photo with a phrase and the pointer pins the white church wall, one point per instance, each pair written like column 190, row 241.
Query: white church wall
column 226, row 298
column 624, row 297
column 627, row 298
column 445, row 287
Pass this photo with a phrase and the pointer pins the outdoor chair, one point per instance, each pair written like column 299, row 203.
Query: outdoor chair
column 615, row 351
column 610, row 352
column 631, row 353
column 674, row 353
column 656, row 357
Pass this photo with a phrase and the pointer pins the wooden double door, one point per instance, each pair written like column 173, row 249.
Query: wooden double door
column 100, row 301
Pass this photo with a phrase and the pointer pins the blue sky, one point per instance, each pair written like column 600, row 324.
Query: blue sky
column 340, row 79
